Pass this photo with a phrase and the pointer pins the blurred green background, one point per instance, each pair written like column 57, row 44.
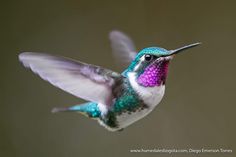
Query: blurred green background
column 198, row 110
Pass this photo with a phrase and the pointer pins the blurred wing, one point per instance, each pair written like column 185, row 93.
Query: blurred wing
column 122, row 46
column 86, row 81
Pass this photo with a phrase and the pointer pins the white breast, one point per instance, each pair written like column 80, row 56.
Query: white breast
column 150, row 95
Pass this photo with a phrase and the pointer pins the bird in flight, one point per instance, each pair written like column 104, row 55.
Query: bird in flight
column 115, row 100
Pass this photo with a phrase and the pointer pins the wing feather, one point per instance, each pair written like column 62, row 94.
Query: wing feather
column 123, row 47
column 86, row 81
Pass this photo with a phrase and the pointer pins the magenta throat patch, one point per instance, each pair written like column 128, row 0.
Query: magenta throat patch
column 154, row 75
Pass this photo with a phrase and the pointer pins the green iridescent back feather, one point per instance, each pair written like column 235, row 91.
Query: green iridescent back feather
column 126, row 102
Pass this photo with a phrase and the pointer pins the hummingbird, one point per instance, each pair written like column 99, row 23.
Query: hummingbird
column 115, row 100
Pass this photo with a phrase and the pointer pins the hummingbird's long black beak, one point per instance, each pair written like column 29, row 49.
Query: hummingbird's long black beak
column 182, row 48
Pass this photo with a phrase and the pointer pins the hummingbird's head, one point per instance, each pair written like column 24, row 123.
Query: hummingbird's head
column 150, row 65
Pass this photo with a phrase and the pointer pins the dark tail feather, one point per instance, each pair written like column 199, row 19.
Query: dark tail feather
column 90, row 109
column 60, row 109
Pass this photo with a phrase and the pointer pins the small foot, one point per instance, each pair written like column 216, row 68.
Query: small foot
column 120, row 129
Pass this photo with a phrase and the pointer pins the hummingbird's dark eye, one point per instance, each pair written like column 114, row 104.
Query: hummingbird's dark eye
column 148, row 57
